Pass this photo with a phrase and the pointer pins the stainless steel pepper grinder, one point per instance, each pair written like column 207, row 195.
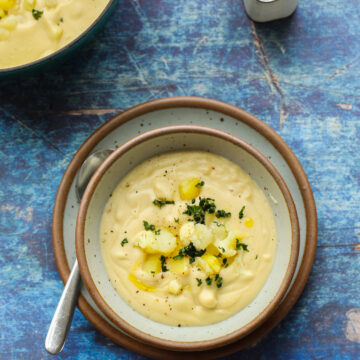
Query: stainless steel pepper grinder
column 268, row 10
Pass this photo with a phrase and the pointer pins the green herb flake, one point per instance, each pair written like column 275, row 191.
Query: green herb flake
column 197, row 212
column 240, row 246
column 163, row 263
column 153, row 272
column 208, row 281
column 189, row 251
column 256, row 257
column 241, row 213
column 200, row 184
column 61, row 19
column 218, row 281
column 219, row 255
column 37, row 14
column 124, row 241
column 222, row 214
column 157, row 232
column 199, row 281
column 161, row 203
column 147, row 226
column 224, row 261
column 176, row 220
column 222, row 249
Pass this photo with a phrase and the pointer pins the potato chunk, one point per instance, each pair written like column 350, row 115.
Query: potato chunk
column 179, row 267
column 7, row 4
column 188, row 189
column 213, row 262
column 163, row 243
column 152, row 264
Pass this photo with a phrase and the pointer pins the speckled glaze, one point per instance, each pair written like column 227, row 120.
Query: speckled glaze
column 105, row 180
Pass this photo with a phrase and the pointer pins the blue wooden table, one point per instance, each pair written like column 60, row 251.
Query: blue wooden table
column 299, row 75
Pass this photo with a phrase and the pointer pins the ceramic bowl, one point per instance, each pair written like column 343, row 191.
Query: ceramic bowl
column 105, row 180
column 62, row 54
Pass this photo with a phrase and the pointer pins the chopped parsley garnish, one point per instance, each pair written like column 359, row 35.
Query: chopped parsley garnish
column 124, row 241
column 37, row 14
column 218, row 281
column 147, row 226
column 256, row 257
column 241, row 213
column 61, row 19
column 222, row 214
column 240, row 245
column 176, row 220
column 199, row 281
column 157, row 232
column 161, row 203
column 208, row 281
column 190, row 251
column 222, row 249
column 225, row 262
column 218, row 224
column 163, row 265
column 153, row 272
column 200, row 184
column 206, row 205
column 218, row 255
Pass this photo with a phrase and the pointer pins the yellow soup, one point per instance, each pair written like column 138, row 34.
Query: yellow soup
column 32, row 29
column 188, row 238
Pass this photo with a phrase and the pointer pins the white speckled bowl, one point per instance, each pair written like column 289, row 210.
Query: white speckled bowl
column 88, row 249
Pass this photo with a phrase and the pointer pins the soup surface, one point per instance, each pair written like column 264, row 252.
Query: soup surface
column 188, row 238
column 33, row 29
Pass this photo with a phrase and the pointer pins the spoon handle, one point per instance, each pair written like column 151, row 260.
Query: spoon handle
column 61, row 321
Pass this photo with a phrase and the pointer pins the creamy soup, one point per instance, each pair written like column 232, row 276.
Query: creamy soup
column 32, row 29
column 188, row 238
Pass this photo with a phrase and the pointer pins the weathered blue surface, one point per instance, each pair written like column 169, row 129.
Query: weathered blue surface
column 300, row 75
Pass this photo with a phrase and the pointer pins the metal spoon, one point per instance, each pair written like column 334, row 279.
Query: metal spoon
column 61, row 321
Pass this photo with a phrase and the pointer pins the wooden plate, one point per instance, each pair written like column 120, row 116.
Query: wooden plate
column 199, row 111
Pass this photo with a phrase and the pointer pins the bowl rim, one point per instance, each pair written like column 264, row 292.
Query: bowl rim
column 139, row 334
column 50, row 57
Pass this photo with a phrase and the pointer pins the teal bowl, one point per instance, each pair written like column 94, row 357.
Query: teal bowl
column 57, row 57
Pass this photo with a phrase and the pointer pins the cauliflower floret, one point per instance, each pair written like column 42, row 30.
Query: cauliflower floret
column 227, row 246
column 174, row 287
column 219, row 230
column 163, row 243
column 9, row 23
column 200, row 235
column 186, row 232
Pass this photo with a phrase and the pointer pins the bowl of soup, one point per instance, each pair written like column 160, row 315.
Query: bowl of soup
column 187, row 238
column 37, row 33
